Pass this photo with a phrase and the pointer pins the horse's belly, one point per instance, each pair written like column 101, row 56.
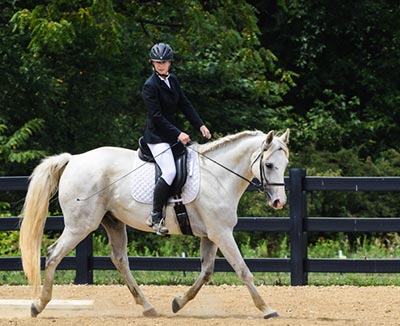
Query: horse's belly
column 136, row 215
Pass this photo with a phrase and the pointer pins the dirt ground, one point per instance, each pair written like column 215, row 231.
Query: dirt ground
column 214, row 305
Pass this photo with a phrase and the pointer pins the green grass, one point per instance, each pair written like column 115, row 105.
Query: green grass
column 354, row 279
column 220, row 278
column 362, row 247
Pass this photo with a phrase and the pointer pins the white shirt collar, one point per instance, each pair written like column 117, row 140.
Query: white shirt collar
column 165, row 80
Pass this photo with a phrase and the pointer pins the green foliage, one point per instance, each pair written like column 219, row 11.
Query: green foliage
column 330, row 124
column 350, row 49
column 146, row 244
column 79, row 64
column 265, row 248
column 85, row 63
column 12, row 144
column 387, row 246
column 9, row 243
column 50, row 35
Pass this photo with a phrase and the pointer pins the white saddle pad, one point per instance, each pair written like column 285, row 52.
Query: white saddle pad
column 144, row 180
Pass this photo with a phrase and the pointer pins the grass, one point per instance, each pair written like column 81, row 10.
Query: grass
column 188, row 278
column 364, row 247
column 354, row 279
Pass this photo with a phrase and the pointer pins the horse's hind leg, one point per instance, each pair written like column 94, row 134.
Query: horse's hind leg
column 208, row 252
column 116, row 231
column 227, row 244
column 55, row 253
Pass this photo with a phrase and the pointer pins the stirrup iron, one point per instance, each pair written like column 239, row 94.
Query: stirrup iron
column 157, row 226
column 160, row 228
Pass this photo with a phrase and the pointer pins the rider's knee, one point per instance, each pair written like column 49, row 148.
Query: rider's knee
column 169, row 174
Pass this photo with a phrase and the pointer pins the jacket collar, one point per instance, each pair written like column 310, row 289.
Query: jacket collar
column 162, row 83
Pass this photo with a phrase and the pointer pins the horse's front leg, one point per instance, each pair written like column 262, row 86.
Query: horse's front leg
column 208, row 252
column 116, row 231
column 227, row 244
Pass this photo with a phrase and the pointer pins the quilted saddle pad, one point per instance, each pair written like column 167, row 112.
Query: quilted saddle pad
column 144, row 180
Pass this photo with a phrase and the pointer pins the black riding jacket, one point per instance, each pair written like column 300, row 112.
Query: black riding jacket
column 163, row 104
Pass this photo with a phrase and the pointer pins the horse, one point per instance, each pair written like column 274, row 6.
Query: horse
column 98, row 174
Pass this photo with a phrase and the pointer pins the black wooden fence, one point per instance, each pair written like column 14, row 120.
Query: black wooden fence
column 298, row 225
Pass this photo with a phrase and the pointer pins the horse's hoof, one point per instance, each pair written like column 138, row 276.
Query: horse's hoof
column 176, row 305
column 271, row 315
column 34, row 311
column 151, row 312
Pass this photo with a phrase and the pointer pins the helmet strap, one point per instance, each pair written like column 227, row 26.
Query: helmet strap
column 161, row 75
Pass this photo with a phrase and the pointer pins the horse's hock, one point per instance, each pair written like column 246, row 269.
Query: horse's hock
column 215, row 305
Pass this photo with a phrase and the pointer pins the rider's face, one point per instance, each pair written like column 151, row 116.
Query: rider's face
column 162, row 67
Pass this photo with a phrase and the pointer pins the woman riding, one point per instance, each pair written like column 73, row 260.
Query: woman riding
column 164, row 99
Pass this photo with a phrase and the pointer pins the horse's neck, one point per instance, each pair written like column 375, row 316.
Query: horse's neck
column 236, row 156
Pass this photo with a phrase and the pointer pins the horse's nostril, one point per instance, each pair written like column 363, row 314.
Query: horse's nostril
column 276, row 203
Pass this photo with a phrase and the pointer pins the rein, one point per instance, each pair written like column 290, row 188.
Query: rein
column 258, row 186
column 125, row 175
column 261, row 186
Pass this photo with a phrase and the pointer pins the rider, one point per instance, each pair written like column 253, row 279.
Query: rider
column 164, row 98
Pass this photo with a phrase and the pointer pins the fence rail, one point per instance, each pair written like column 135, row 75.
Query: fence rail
column 298, row 225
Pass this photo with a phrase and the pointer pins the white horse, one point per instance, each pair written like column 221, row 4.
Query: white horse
column 212, row 214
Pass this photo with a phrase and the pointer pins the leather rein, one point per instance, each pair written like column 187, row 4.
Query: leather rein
column 262, row 186
column 263, row 183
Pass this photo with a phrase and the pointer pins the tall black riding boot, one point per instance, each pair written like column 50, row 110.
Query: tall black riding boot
column 161, row 192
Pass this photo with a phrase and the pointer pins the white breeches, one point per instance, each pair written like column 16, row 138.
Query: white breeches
column 165, row 160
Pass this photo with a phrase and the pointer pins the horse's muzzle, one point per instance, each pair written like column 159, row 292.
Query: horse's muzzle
column 277, row 203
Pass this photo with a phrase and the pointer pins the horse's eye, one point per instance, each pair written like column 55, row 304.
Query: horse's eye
column 269, row 165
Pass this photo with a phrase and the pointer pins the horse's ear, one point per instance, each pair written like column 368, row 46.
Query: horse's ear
column 269, row 139
column 285, row 136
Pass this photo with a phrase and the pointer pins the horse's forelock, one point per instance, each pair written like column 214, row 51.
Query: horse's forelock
column 277, row 144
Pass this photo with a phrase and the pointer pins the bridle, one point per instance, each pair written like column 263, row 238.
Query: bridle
column 264, row 183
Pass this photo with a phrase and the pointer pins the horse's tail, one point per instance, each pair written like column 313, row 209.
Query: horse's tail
column 43, row 184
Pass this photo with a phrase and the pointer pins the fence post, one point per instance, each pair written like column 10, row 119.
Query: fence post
column 298, row 238
column 84, row 254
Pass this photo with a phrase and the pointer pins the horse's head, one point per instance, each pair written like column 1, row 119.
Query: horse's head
column 269, row 165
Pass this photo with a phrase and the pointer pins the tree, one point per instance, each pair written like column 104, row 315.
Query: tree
column 81, row 66
column 341, row 49
column 12, row 145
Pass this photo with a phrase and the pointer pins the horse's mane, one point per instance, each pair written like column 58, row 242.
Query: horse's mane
column 226, row 140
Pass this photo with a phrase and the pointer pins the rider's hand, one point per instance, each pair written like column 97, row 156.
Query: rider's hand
column 205, row 132
column 184, row 138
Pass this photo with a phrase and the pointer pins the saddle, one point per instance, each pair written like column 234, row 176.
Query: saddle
column 180, row 155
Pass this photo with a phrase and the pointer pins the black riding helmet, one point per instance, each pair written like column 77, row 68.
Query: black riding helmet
column 161, row 52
